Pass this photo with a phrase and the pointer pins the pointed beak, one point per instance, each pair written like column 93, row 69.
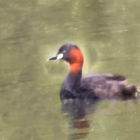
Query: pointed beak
column 57, row 57
column 53, row 58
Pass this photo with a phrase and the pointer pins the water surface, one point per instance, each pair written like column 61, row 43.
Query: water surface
column 31, row 31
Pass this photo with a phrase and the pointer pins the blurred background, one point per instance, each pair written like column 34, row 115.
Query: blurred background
column 31, row 31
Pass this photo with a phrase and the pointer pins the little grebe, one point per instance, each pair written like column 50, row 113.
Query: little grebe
column 99, row 86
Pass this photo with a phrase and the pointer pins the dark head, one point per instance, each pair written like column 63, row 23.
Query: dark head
column 71, row 54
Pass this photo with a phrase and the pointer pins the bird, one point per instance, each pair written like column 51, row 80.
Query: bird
column 80, row 94
column 94, row 87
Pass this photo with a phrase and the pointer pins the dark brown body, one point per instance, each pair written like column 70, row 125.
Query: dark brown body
column 103, row 86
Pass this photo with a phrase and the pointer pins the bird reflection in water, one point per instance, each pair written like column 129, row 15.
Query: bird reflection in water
column 77, row 111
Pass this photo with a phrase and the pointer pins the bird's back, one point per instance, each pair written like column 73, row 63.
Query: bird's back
column 109, row 86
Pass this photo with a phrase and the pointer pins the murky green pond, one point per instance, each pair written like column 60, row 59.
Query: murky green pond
column 31, row 31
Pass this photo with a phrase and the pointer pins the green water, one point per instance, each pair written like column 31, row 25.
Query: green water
column 31, row 31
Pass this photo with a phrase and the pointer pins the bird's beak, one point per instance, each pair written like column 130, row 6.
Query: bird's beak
column 57, row 57
column 53, row 58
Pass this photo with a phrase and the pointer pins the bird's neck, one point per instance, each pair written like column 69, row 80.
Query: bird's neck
column 73, row 79
column 74, row 76
column 76, row 67
column 76, row 60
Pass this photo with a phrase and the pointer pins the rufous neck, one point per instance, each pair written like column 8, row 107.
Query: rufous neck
column 76, row 60
column 76, row 67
